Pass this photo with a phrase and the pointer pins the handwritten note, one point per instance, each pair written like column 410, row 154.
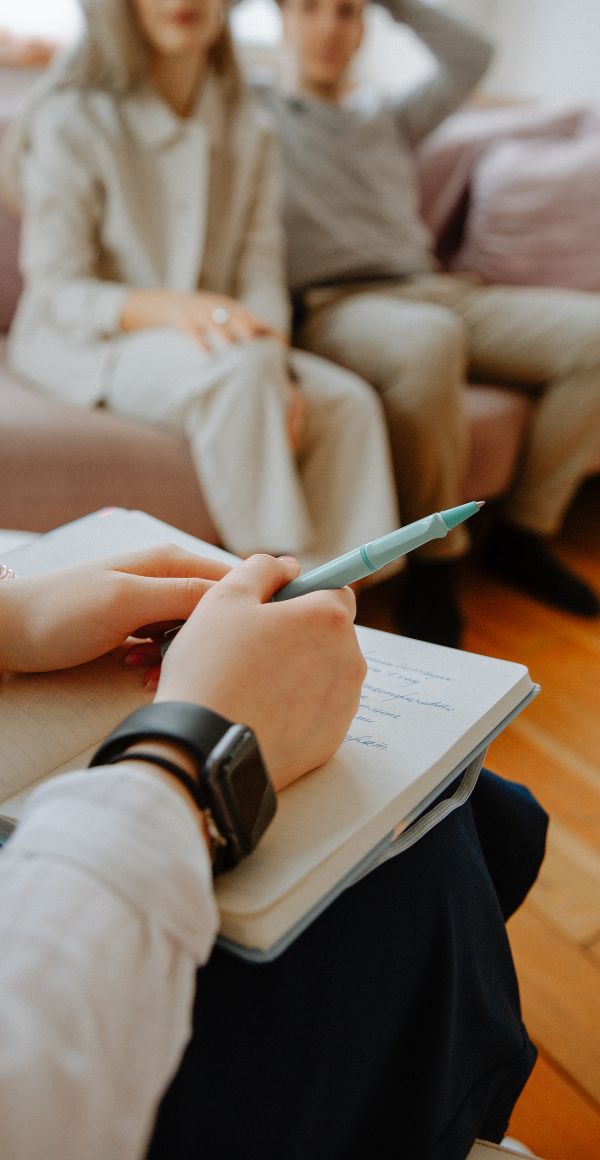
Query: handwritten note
column 389, row 689
column 422, row 710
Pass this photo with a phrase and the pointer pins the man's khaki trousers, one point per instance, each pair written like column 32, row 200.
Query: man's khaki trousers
column 416, row 341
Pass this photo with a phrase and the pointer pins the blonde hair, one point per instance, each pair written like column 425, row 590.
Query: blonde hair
column 111, row 55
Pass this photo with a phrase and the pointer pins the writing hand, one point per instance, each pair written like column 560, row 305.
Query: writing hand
column 292, row 671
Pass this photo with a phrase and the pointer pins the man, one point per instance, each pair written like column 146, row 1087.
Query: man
column 362, row 270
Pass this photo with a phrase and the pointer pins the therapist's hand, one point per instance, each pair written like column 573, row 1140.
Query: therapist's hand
column 66, row 618
column 292, row 670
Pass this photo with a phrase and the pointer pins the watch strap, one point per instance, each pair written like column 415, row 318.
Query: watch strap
column 241, row 800
column 192, row 728
column 194, row 788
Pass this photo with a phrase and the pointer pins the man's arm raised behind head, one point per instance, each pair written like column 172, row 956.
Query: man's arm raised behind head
column 462, row 57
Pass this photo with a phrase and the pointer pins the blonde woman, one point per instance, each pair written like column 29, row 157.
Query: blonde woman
column 154, row 283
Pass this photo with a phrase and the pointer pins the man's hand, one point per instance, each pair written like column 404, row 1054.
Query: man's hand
column 292, row 671
column 72, row 616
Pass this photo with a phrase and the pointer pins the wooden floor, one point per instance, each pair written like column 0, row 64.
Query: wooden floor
column 554, row 747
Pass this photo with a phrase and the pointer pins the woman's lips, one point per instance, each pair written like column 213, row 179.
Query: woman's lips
column 185, row 18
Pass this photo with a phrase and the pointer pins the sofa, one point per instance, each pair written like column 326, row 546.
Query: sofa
column 58, row 462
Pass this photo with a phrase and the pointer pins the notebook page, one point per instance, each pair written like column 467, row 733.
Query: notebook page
column 423, row 709
column 26, row 752
column 47, row 719
column 109, row 532
column 14, row 807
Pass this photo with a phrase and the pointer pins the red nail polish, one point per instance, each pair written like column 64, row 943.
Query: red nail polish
column 135, row 658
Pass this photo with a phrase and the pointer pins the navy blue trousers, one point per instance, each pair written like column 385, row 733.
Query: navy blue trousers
column 391, row 1027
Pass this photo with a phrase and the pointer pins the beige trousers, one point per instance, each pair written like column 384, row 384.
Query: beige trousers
column 231, row 404
column 416, row 341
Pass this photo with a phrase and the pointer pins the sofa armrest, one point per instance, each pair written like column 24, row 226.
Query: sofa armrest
column 60, row 462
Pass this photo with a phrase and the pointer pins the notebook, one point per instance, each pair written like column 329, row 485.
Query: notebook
column 426, row 717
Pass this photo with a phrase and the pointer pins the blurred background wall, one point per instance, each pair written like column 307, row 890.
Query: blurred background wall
column 546, row 48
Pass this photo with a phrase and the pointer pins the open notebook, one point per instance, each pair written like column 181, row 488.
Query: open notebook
column 426, row 717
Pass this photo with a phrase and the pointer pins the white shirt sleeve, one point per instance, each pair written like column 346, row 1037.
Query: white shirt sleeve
column 106, row 910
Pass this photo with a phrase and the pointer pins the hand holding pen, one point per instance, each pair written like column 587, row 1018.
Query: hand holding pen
column 371, row 557
column 377, row 554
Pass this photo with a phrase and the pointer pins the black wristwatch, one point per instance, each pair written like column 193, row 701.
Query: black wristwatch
column 233, row 783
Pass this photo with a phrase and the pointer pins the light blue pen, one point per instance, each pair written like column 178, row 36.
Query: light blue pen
column 371, row 557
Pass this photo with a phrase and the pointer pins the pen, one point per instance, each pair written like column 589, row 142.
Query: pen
column 371, row 557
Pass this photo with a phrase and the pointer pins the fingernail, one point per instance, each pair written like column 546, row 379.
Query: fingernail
column 288, row 559
column 134, row 658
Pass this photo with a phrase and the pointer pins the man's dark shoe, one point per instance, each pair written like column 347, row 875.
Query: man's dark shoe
column 524, row 560
column 429, row 608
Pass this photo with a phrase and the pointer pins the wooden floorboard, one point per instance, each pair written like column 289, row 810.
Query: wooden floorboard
column 569, row 887
column 555, row 1118
column 560, row 993
column 554, row 747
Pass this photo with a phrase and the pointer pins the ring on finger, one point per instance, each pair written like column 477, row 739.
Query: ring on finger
column 221, row 315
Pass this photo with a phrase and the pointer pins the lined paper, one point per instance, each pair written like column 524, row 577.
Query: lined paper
column 47, row 719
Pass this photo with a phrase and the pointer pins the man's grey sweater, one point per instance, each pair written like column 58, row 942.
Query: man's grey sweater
column 351, row 205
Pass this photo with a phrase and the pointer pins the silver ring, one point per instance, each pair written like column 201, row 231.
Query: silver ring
column 221, row 315
column 6, row 573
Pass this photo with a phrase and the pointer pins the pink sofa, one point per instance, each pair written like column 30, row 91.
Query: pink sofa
column 59, row 462
column 509, row 194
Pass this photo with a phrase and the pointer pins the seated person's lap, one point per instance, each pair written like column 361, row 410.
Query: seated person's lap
column 396, row 1012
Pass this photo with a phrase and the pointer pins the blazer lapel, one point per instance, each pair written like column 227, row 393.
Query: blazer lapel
column 231, row 191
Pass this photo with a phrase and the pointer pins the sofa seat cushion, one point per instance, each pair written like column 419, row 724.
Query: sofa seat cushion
column 59, row 463
column 497, row 420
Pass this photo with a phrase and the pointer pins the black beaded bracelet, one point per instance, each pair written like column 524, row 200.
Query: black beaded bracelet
column 193, row 788
column 217, row 841
column 233, row 786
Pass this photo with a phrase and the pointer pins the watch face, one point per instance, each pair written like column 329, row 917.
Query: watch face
column 248, row 784
column 242, row 788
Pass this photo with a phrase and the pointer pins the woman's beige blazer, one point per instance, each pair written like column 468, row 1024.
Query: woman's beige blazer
column 120, row 193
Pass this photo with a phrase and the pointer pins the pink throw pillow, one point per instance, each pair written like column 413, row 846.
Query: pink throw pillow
column 534, row 214
column 447, row 158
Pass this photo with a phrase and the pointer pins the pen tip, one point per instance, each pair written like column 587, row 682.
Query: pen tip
column 480, row 503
